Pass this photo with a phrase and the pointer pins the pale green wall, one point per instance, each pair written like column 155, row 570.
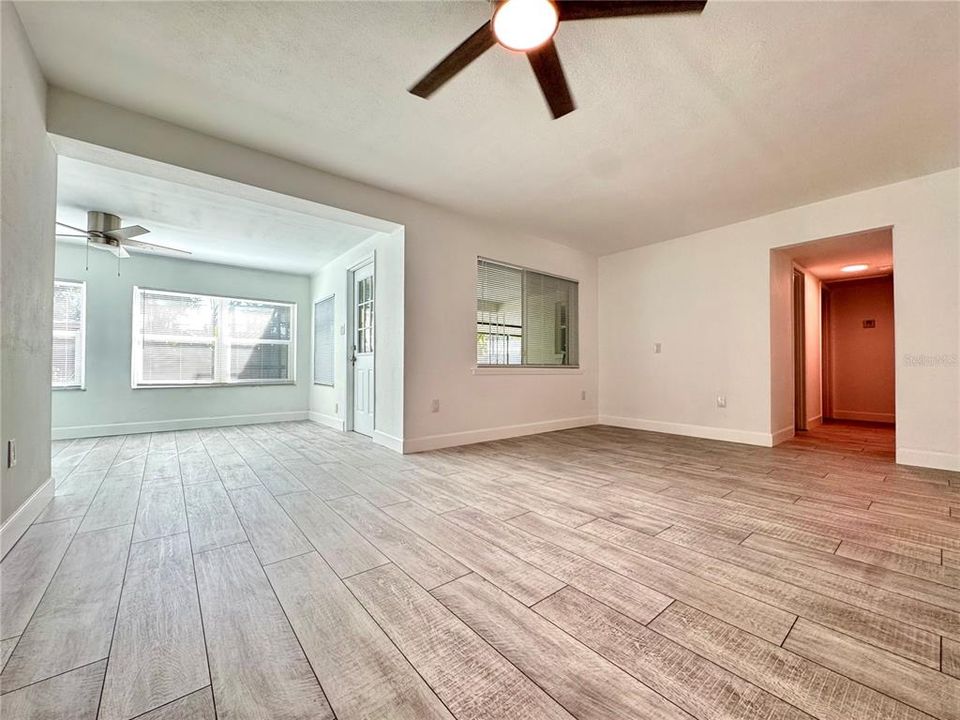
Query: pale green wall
column 110, row 406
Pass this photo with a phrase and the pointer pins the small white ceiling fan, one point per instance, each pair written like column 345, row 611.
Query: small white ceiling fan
column 104, row 232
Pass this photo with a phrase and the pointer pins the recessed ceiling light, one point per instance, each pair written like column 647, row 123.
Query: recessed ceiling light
column 854, row 268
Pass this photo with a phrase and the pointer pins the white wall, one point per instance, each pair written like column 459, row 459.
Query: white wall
column 328, row 405
column 109, row 406
column 712, row 300
column 440, row 250
column 28, row 183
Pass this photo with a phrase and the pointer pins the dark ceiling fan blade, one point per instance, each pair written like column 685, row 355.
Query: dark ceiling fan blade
column 465, row 53
column 592, row 9
column 546, row 66
column 71, row 227
column 125, row 233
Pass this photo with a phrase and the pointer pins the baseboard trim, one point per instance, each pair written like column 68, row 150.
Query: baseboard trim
column 16, row 525
column 84, row 431
column 468, row 437
column 814, row 422
column 782, row 435
column 388, row 441
column 331, row 421
column 864, row 416
column 707, row 432
column 928, row 459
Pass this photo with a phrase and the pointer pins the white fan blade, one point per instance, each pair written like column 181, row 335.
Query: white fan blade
column 68, row 235
column 154, row 246
column 112, row 249
column 125, row 233
column 71, row 227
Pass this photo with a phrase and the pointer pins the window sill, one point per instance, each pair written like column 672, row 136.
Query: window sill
column 61, row 388
column 528, row 370
column 196, row 386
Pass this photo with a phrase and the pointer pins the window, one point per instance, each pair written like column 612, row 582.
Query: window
column 190, row 339
column 69, row 333
column 525, row 318
column 323, row 342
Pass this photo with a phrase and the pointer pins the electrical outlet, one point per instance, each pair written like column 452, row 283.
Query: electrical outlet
column 435, row 406
column 721, row 401
column 11, row 453
column 656, row 348
column 583, row 394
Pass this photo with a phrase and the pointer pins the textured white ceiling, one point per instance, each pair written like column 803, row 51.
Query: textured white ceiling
column 215, row 227
column 684, row 122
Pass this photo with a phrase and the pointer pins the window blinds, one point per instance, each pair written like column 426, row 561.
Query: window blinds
column 69, row 329
column 323, row 341
column 191, row 339
column 525, row 317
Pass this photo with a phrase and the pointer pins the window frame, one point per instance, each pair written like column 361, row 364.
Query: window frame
column 220, row 346
column 82, row 369
column 524, row 367
column 331, row 298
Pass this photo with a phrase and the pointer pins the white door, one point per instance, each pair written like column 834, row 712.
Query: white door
column 362, row 349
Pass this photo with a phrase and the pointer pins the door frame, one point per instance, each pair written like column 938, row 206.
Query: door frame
column 370, row 260
column 798, row 294
column 826, row 354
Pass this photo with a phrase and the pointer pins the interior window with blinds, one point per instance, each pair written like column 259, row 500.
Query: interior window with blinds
column 525, row 318
column 191, row 339
column 323, row 342
column 69, row 333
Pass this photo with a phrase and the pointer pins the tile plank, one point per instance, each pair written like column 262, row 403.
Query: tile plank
column 587, row 686
column 928, row 690
column 621, row 593
column 161, row 511
column 212, row 520
column 27, row 569
column 683, row 677
column 344, row 549
column 363, row 673
column 73, row 623
column 256, row 665
column 155, row 662
column 272, row 533
column 508, row 572
column 474, row 680
column 424, row 562
column 743, row 611
column 195, row 706
column 72, row 695
column 806, row 685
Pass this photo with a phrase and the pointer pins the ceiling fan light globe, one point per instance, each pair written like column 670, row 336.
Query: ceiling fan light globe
column 525, row 24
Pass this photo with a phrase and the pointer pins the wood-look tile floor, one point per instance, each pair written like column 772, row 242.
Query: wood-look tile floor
column 289, row 571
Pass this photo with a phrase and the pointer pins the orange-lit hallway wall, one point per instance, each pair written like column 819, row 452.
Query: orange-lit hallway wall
column 862, row 360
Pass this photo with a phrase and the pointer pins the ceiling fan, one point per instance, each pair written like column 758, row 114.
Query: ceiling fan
column 104, row 232
column 528, row 26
